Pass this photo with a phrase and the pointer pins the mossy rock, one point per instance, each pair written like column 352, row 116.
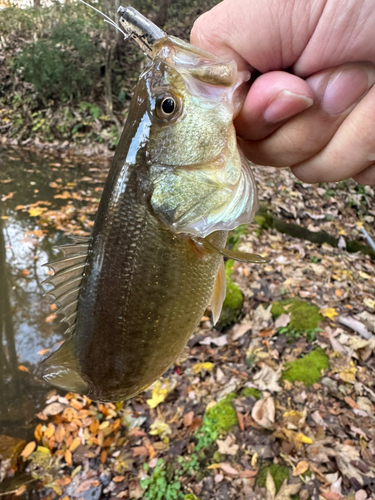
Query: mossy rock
column 304, row 317
column 278, row 472
column 307, row 369
column 232, row 305
column 251, row 391
column 223, row 416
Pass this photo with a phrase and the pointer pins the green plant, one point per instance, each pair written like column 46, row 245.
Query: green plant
column 61, row 66
column 158, row 486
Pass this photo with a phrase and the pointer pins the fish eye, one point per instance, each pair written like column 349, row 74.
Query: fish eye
column 167, row 106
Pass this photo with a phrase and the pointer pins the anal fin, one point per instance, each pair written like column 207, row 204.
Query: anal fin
column 218, row 294
column 62, row 369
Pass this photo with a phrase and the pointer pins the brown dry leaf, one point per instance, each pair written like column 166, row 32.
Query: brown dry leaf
column 229, row 469
column 50, row 431
column 283, row 320
column 86, row 485
column 75, row 443
column 227, row 446
column 263, row 412
column 29, row 448
column 42, row 352
column 19, row 491
column 38, row 432
column 60, row 433
column 287, row 490
column 68, row 457
column 140, row 451
column 266, row 379
column 270, row 486
column 301, row 468
column 50, row 318
column 118, row 479
column 63, row 481
column 53, row 409
column 188, row 419
column 247, row 473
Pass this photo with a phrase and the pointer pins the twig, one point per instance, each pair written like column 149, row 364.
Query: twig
column 355, row 325
column 368, row 238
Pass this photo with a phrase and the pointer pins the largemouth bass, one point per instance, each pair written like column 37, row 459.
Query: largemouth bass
column 135, row 291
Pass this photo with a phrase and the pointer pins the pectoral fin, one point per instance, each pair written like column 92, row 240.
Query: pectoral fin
column 62, row 369
column 218, row 295
column 206, row 246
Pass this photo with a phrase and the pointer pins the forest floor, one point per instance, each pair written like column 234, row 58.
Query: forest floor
column 279, row 405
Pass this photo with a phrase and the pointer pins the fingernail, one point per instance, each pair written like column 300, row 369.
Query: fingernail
column 285, row 105
column 344, row 89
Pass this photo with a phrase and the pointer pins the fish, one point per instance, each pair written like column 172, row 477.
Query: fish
column 134, row 292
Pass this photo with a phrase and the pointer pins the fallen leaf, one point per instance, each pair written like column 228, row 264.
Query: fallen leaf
column 23, row 368
column 227, row 446
column 160, row 391
column 266, row 379
column 19, row 491
column 263, row 412
column 218, row 341
column 140, row 451
column 270, row 485
column 29, row 448
column 287, row 490
column 35, row 212
column 53, row 409
column 328, row 312
column 118, row 479
column 198, row 367
column 42, row 352
column 188, row 419
column 300, row 468
column 370, row 303
column 68, row 457
column 160, row 428
column 228, row 469
column 282, row 321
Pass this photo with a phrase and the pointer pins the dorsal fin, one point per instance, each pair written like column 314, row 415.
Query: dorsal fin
column 67, row 279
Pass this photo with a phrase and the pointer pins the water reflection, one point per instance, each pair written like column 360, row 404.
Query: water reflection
column 42, row 202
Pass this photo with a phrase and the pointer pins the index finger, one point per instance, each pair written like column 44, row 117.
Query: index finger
column 265, row 34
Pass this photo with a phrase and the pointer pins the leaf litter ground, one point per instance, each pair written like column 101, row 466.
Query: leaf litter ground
column 278, row 406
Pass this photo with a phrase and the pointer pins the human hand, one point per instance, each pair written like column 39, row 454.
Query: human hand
column 313, row 106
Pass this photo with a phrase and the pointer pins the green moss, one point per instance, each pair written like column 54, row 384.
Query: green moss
column 251, row 391
column 307, row 369
column 233, row 301
column 223, row 416
column 304, row 316
column 278, row 472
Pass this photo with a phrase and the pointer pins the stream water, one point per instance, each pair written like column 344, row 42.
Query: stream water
column 43, row 200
